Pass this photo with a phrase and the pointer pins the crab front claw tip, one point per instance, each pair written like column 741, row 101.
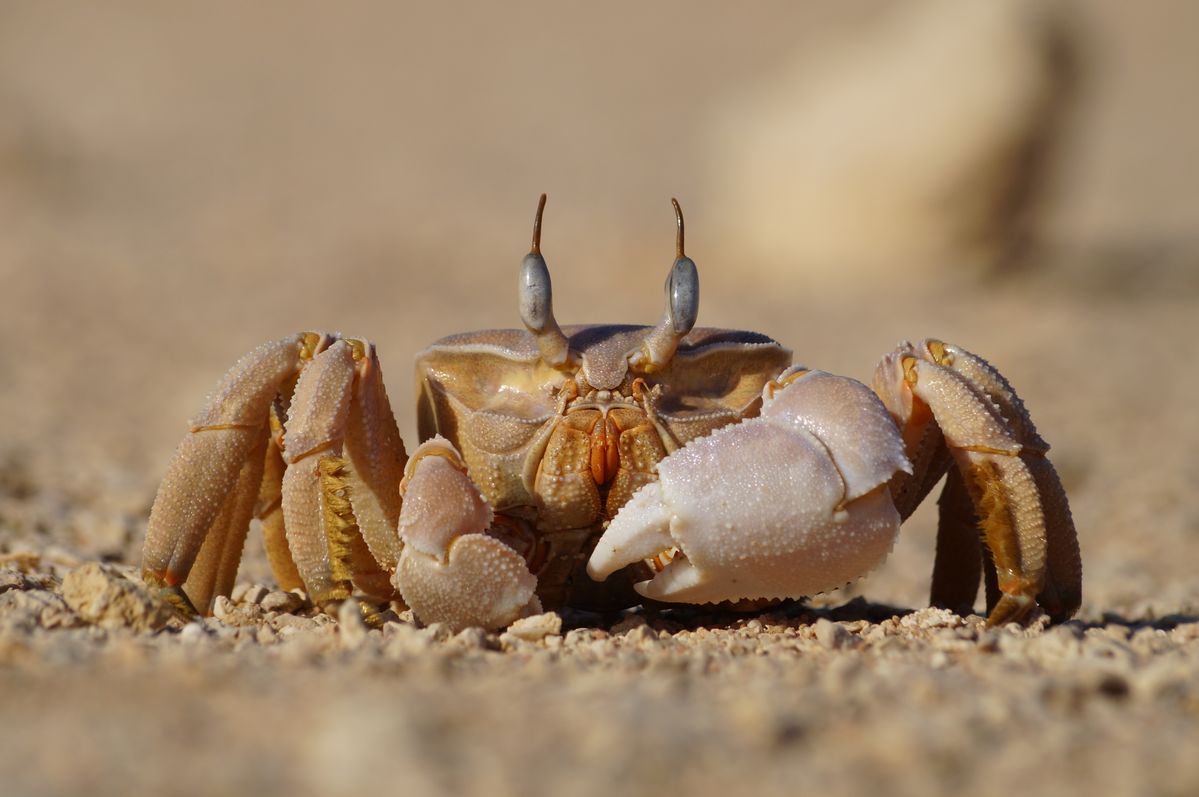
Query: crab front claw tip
column 640, row 531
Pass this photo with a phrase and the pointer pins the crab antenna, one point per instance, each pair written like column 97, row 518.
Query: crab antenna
column 682, row 308
column 537, row 300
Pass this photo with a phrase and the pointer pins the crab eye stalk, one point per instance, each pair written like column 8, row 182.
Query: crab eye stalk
column 682, row 308
column 537, row 300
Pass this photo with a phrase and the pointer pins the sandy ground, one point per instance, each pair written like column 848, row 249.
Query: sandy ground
column 178, row 186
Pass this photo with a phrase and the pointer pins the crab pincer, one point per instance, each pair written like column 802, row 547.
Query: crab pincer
column 450, row 569
column 784, row 505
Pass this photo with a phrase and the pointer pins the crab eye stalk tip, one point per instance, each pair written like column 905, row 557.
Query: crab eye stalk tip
column 678, row 217
column 536, row 249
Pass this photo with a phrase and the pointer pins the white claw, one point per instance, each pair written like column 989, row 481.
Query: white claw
column 450, row 571
column 772, row 507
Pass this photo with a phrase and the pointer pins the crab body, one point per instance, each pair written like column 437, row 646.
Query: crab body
column 558, row 452
column 598, row 466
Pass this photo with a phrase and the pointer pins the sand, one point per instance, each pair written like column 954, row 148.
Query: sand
column 177, row 186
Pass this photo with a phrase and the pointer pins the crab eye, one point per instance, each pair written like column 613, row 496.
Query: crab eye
column 682, row 295
column 682, row 284
column 682, row 309
column 537, row 300
column 536, row 294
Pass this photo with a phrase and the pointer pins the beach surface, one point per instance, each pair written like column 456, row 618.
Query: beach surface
column 178, row 186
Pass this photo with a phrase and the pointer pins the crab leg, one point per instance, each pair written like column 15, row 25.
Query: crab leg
column 322, row 530
column 999, row 482
column 376, row 460
column 209, row 462
column 215, row 568
column 269, row 512
column 1021, row 509
column 958, row 566
column 1062, row 592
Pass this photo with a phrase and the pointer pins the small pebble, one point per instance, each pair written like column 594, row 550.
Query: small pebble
column 292, row 621
column 628, row 624
column 352, row 629
column 102, row 595
column 254, row 594
column 192, row 633
column 641, row 636
column 282, row 602
column 438, row 632
column 537, row 627
column 471, row 639
column 224, row 610
column 832, row 635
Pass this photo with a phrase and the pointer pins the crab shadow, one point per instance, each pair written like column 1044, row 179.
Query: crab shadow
column 690, row 618
column 1165, row 622
column 798, row 612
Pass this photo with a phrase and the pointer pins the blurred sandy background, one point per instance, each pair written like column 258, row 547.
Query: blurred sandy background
column 180, row 183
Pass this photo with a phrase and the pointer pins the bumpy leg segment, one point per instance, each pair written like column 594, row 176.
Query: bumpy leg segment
column 959, row 562
column 1061, row 594
column 1062, row 591
column 323, row 533
column 1017, row 499
column 215, row 568
column 200, row 489
column 269, row 512
column 376, row 461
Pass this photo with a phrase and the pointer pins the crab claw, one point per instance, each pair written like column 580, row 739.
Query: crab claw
column 788, row 504
column 450, row 571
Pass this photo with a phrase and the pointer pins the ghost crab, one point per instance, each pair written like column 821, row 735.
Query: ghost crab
column 697, row 465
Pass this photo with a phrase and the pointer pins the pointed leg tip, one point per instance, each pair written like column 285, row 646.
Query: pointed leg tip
column 372, row 615
column 170, row 589
column 1010, row 609
column 1059, row 604
column 178, row 600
